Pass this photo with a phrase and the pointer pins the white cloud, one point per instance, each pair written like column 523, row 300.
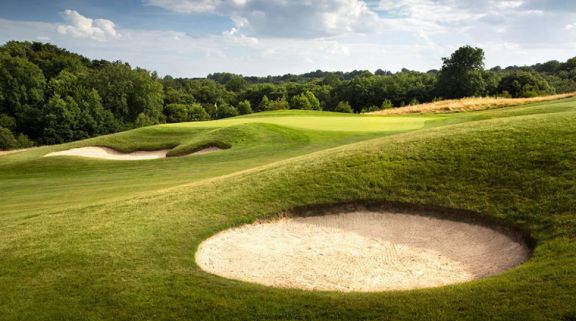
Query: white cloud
column 187, row 6
column 295, row 36
column 83, row 27
column 512, row 4
column 235, row 36
column 284, row 18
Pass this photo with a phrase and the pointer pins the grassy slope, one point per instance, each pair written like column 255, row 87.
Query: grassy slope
column 469, row 104
column 132, row 256
column 32, row 185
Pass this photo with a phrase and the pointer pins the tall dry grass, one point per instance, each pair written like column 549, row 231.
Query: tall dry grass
column 468, row 104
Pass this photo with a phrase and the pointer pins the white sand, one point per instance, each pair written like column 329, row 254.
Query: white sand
column 111, row 154
column 360, row 251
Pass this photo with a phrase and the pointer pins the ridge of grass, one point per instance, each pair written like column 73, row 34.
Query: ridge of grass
column 469, row 104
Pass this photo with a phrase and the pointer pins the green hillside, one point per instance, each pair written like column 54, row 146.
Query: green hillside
column 86, row 239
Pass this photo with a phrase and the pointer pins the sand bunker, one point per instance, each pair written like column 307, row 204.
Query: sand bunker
column 111, row 154
column 359, row 251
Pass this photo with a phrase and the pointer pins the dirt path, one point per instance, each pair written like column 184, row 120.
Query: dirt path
column 360, row 251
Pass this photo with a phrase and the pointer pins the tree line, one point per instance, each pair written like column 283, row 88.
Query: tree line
column 49, row 95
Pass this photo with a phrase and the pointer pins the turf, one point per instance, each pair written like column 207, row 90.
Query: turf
column 84, row 239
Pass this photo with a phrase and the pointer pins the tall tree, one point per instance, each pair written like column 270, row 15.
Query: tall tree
column 130, row 94
column 461, row 74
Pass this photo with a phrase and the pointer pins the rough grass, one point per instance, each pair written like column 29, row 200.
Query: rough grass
column 468, row 104
column 116, row 241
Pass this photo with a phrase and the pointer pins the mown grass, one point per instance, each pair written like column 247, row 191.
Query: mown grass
column 102, row 240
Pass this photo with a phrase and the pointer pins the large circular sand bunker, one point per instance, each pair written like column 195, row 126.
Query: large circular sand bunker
column 359, row 251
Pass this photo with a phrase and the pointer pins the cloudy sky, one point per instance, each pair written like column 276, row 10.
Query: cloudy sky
column 260, row 37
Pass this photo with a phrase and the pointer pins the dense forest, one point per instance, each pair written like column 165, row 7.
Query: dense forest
column 49, row 95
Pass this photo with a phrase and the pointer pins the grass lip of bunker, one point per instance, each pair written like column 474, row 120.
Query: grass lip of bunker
column 108, row 153
column 366, row 248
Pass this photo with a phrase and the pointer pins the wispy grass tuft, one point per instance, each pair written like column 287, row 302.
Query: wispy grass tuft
column 468, row 104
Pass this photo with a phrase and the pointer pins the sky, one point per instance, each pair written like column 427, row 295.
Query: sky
column 193, row 38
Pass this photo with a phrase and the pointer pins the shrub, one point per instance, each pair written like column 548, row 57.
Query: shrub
column 370, row 109
column 343, row 107
column 143, row 120
column 24, row 141
column 244, row 107
column 196, row 113
column 278, row 104
column 176, row 113
column 7, row 139
column 387, row 104
column 225, row 111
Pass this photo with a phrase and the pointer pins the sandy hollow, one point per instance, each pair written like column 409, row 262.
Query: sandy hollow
column 359, row 251
column 111, row 154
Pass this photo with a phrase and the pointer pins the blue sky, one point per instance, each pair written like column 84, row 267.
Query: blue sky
column 192, row 38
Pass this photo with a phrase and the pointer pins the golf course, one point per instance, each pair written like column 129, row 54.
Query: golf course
column 86, row 238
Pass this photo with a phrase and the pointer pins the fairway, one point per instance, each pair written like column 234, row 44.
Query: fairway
column 97, row 239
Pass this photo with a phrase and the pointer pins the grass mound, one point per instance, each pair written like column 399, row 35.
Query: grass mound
column 238, row 135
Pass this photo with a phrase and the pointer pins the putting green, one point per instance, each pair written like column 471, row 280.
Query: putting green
column 329, row 123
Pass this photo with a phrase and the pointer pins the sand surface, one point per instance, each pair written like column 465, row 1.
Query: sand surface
column 111, row 154
column 359, row 251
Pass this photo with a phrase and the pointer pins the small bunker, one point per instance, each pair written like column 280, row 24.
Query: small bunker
column 112, row 154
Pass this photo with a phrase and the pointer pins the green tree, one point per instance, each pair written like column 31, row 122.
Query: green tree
column 7, row 121
column 386, row 104
column 314, row 102
column 143, row 120
column 244, row 107
column 278, row 104
column 343, row 107
column 130, row 93
column 7, row 139
column 176, row 113
column 264, row 103
column 197, row 113
column 174, row 95
column 300, row 102
column 461, row 74
column 522, row 83
column 60, row 120
column 225, row 110
column 22, row 85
